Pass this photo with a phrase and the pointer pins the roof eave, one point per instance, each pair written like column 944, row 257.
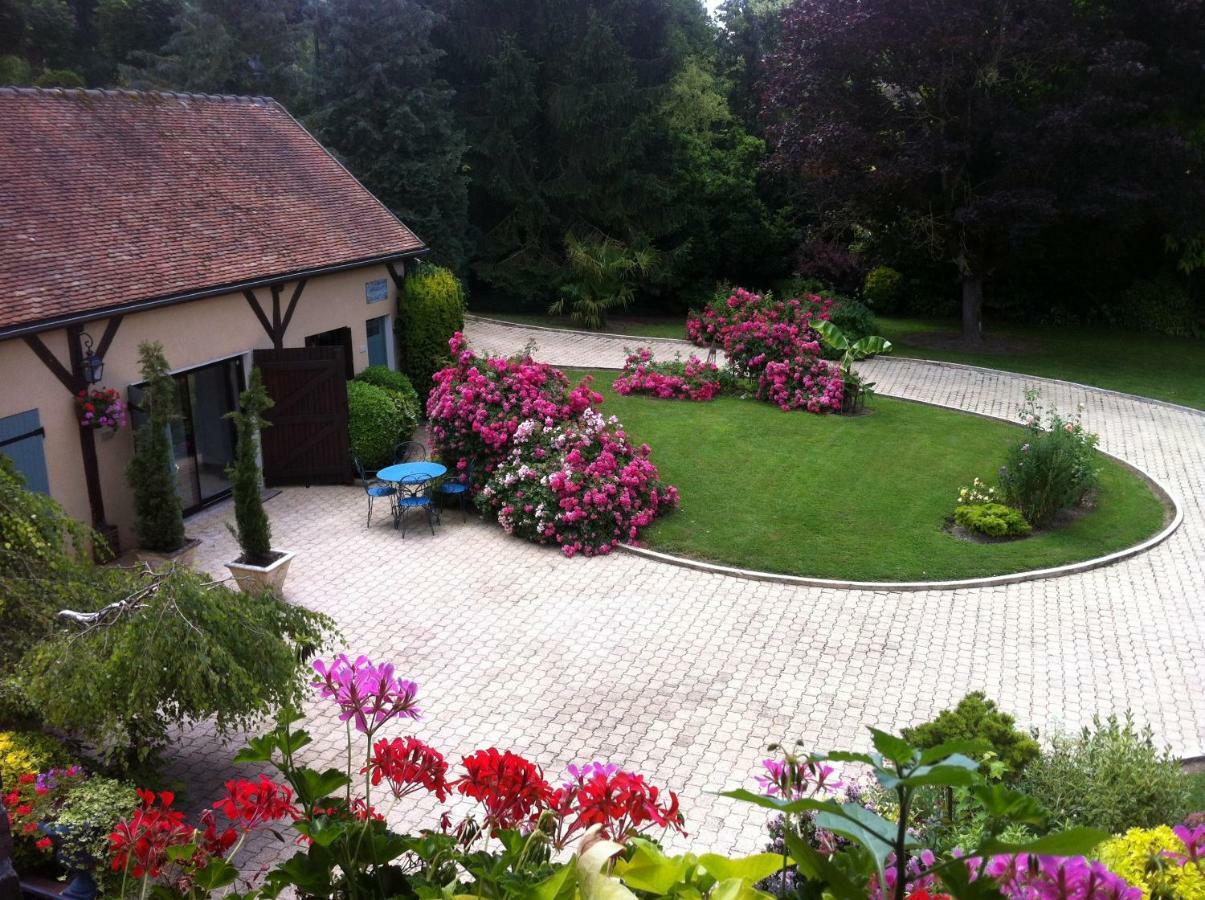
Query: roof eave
column 92, row 315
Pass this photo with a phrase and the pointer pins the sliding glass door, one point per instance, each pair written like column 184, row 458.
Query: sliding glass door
column 202, row 436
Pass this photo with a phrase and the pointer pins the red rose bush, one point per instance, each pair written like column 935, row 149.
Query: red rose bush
column 477, row 403
column 773, row 343
column 694, row 379
column 580, row 484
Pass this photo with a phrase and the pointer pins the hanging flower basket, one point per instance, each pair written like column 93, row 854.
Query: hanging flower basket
column 101, row 408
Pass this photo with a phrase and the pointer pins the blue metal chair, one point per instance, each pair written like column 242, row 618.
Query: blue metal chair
column 414, row 492
column 375, row 488
column 454, row 487
column 409, row 451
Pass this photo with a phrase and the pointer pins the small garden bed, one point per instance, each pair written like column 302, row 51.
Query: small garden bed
column 863, row 498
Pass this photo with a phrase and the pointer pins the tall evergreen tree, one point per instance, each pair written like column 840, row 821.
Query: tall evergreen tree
column 382, row 107
column 250, row 47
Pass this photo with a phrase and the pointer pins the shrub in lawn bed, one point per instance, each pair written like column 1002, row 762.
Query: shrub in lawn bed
column 802, row 382
column 694, row 379
column 477, row 404
column 992, row 519
column 1053, row 468
column 580, row 484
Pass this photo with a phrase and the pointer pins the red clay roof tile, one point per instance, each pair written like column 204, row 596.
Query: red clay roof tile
column 113, row 197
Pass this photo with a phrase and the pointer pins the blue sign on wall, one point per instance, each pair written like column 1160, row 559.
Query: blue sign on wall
column 376, row 291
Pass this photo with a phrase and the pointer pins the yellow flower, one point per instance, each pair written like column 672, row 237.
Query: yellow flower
column 1138, row 857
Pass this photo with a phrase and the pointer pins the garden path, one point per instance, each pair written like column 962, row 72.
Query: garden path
column 686, row 675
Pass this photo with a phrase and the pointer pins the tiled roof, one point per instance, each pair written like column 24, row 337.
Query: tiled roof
column 108, row 198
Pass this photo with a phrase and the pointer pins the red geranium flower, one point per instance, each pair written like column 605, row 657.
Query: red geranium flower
column 408, row 765
column 252, row 803
column 142, row 841
column 44, row 844
column 622, row 803
column 27, row 778
column 512, row 790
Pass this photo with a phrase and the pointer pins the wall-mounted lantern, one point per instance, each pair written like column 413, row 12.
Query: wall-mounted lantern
column 94, row 366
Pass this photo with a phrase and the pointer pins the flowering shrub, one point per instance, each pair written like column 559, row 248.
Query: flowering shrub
column 477, row 404
column 1164, row 862
column 802, row 382
column 580, row 484
column 101, row 408
column 694, row 379
column 33, row 800
column 979, row 492
column 774, row 343
column 1053, row 468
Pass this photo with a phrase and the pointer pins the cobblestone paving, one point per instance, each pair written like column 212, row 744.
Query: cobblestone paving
column 686, row 675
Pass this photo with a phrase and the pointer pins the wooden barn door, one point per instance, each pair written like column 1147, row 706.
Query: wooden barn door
column 307, row 443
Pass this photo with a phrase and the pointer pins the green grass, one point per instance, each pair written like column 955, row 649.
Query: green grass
column 862, row 498
column 637, row 326
column 1149, row 365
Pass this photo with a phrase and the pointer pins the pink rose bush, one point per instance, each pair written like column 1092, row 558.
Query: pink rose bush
column 477, row 404
column 773, row 343
column 579, row 484
column 694, row 379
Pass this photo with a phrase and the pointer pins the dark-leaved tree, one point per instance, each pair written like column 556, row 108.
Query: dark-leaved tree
column 382, row 107
column 972, row 126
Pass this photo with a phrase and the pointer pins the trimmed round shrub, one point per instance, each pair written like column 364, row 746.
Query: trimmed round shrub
column 883, row 287
column 405, row 398
column 1110, row 776
column 976, row 718
column 374, row 424
column 430, row 311
column 992, row 519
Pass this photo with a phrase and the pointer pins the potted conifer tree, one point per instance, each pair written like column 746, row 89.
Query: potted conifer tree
column 151, row 473
column 259, row 567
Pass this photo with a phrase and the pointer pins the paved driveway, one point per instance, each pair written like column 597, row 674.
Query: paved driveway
column 685, row 675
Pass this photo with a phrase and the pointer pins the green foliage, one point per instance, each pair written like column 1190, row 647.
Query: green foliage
column 883, row 288
column 976, row 718
column 405, row 398
column 603, row 277
column 392, row 121
column 126, row 28
column 253, row 532
column 1110, row 776
column 430, row 311
column 992, row 519
column 89, row 813
column 1141, row 855
column 1162, row 305
column 373, row 423
column 14, row 70
column 29, row 751
column 832, row 337
column 65, row 78
column 178, row 647
column 160, row 521
column 1053, row 468
column 43, row 561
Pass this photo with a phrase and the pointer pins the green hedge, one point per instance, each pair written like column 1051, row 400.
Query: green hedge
column 431, row 310
column 399, row 388
column 375, row 424
column 993, row 519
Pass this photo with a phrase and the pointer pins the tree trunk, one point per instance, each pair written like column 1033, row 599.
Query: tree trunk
column 972, row 310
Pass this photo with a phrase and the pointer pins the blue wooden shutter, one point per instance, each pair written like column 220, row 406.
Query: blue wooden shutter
column 21, row 441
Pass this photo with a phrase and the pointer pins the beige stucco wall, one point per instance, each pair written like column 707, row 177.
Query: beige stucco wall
column 192, row 334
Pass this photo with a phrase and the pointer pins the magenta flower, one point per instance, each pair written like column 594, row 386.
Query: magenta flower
column 792, row 778
column 1193, row 840
column 1028, row 877
column 366, row 691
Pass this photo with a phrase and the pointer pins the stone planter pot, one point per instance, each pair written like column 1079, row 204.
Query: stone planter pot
column 254, row 579
column 80, row 866
column 185, row 556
